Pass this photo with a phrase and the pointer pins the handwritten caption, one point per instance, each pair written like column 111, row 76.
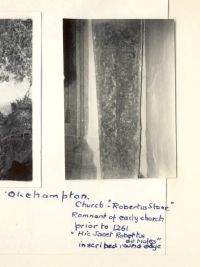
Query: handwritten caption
column 107, row 224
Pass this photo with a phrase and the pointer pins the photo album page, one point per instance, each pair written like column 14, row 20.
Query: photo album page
column 99, row 133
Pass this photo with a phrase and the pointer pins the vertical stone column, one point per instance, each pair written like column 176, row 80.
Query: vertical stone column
column 78, row 154
column 70, row 95
column 117, row 48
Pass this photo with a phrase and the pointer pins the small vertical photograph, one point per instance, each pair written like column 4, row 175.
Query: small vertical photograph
column 119, row 98
column 19, row 97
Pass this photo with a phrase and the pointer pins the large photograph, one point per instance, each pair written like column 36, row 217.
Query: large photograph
column 16, row 99
column 119, row 98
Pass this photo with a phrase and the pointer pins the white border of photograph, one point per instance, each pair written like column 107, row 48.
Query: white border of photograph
column 36, row 100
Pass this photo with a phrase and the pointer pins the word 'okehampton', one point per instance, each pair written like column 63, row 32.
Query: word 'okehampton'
column 36, row 195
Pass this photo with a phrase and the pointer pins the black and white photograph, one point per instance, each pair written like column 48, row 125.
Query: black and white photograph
column 17, row 83
column 119, row 98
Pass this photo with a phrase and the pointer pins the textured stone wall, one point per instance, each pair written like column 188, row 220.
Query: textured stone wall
column 117, row 49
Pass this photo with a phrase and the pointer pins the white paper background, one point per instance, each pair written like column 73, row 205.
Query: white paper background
column 43, row 226
column 183, row 221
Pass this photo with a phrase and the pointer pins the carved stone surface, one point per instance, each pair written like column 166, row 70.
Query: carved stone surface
column 117, row 49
